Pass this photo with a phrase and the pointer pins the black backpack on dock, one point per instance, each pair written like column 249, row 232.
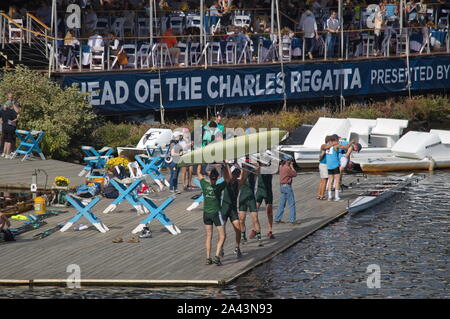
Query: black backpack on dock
column 6, row 235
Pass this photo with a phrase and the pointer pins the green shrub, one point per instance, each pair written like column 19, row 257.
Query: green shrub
column 63, row 114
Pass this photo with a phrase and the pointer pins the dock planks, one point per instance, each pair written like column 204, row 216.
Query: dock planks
column 162, row 260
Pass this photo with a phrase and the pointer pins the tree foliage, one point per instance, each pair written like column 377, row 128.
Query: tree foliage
column 62, row 113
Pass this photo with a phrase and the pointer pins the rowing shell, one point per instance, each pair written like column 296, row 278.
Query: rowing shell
column 374, row 197
column 233, row 148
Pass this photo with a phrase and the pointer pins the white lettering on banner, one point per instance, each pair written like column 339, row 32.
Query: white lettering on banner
column 137, row 91
column 224, row 86
column 212, row 94
column 196, row 88
column 122, row 85
column 258, row 90
column 155, row 86
column 270, row 84
column 316, row 80
column 416, row 74
column 171, row 82
column 237, row 87
column 93, row 88
column 304, row 81
column 249, row 84
column 280, row 83
column 439, row 72
column 327, row 82
column 183, row 89
column 108, row 94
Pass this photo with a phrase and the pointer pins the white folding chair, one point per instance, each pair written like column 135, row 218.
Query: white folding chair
column 160, row 55
column 176, row 23
column 215, row 53
column 241, row 21
column 246, row 53
column 143, row 27
column 117, row 27
column 402, row 44
column 183, row 57
column 231, row 53
column 368, row 41
column 115, row 57
column 102, row 25
column 286, row 50
column 193, row 21
column 144, row 55
column 97, row 58
column 131, row 51
column 194, row 53
column 15, row 32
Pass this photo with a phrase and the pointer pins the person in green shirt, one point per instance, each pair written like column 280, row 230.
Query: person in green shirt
column 212, row 215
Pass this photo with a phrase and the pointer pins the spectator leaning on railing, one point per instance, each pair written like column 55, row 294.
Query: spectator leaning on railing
column 332, row 28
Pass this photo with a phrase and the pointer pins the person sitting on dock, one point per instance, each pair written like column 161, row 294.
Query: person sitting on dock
column 212, row 211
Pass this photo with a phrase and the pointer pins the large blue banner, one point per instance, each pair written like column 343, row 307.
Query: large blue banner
column 119, row 92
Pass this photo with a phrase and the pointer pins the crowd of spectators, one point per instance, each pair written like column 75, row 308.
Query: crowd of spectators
column 314, row 21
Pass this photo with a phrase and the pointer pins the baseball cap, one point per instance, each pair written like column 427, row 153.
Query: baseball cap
column 287, row 158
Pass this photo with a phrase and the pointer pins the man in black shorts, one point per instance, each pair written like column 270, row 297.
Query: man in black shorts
column 247, row 203
column 229, row 204
column 264, row 192
column 212, row 211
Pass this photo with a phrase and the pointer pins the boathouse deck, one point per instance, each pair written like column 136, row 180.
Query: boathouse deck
column 162, row 260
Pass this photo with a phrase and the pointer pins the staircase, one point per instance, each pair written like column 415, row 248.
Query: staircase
column 32, row 56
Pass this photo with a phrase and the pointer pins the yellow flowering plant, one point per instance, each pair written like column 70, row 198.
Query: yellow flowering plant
column 61, row 181
column 116, row 161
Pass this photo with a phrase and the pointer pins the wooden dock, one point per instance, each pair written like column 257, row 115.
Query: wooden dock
column 164, row 260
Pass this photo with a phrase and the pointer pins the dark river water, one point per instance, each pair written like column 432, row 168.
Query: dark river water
column 407, row 238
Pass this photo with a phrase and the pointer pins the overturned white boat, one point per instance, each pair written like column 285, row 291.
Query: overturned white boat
column 154, row 138
column 379, row 192
column 414, row 151
column 376, row 137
